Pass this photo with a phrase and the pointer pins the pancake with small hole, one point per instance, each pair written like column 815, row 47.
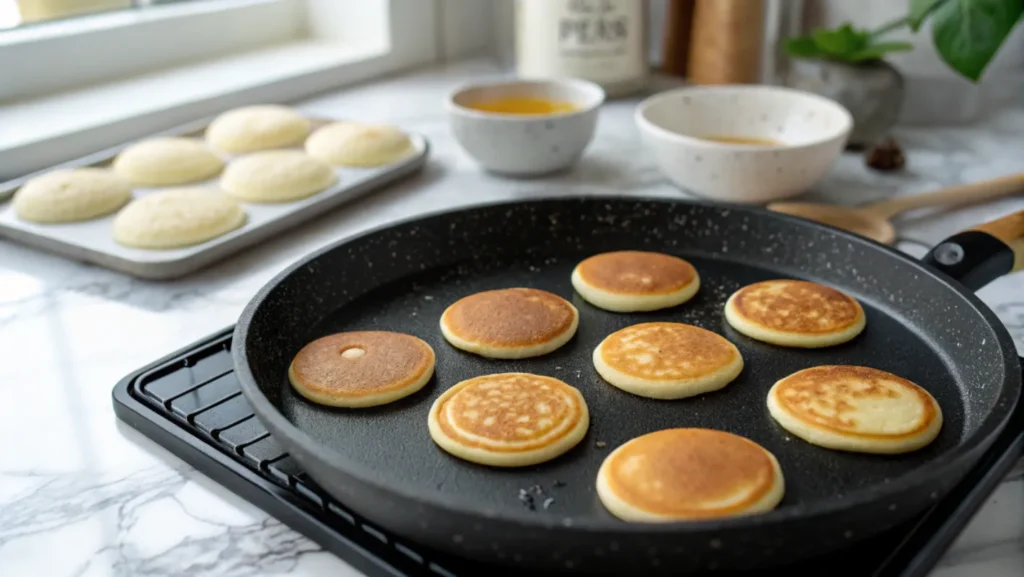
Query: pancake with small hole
column 361, row 369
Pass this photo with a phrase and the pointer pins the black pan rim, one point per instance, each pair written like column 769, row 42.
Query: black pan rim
column 268, row 412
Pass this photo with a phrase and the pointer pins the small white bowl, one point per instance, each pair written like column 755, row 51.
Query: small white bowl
column 811, row 131
column 520, row 144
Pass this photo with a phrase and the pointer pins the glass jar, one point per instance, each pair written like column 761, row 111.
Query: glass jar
column 603, row 41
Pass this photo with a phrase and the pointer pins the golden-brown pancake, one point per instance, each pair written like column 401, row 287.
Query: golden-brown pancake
column 795, row 313
column 688, row 474
column 630, row 280
column 361, row 369
column 509, row 419
column 667, row 360
column 513, row 323
column 857, row 409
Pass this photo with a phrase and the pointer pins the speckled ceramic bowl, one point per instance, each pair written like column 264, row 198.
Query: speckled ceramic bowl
column 525, row 145
column 808, row 131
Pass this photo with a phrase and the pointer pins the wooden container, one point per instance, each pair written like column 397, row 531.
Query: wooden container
column 726, row 42
column 675, row 41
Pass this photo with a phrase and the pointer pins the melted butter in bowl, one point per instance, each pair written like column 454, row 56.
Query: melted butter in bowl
column 525, row 127
column 523, row 105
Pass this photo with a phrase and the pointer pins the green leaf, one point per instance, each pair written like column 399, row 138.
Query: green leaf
column 920, row 10
column 968, row 33
column 840, row 42
column 802, row 46
column 876, row 51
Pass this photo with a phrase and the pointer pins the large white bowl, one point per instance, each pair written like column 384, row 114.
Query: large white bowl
column 811, row 130
column 521, row 144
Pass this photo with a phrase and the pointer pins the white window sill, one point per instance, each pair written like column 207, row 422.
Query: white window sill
column 44, row 131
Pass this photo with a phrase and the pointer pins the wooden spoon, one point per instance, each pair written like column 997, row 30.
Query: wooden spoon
column 873, row 220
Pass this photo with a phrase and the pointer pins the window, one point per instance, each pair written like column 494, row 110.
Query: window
column 77, row 80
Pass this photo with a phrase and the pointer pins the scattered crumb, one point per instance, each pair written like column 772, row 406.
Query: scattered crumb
column 559, row 484
column 600, row 444
column 886, row 156
column 527, row 500
column 536, row 490
column 548, row 502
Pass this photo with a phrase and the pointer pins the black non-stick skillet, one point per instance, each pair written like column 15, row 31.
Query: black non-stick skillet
column 923, row 323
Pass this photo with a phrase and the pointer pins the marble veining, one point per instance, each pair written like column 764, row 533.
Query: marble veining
column 82, row 495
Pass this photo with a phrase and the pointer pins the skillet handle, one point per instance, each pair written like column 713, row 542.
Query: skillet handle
column 982, row 254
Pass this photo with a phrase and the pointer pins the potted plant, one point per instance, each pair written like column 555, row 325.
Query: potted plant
column 847, row 64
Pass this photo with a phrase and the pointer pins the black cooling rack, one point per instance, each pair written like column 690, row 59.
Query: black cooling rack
column 190, row 403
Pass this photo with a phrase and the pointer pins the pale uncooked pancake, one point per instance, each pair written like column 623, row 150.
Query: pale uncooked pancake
column 359, row 145
column 858, row 409
column 167, row 161
column 361, row 369
column 509, row 419
column 795, row 313
column 689, row 474
column 511, row 323
column 260, row 127
column 667, row 360
column 176, row 218
column 71, row 195
column 276, row 176
column 629, row 281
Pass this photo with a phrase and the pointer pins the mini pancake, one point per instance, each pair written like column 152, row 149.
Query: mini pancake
column 167, row 161
column 509, row 419
column 259, row 127
column 176, row 218
column 513, row 323
column 71, row 195
column 795, row 313
column 857, row 409
column 689, row 474
column 630, row 281
column 276, row 176
column 359, row 145
column 361, row 369
column 667, row 360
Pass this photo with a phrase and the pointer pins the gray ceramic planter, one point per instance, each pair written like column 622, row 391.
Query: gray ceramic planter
column 872, row 92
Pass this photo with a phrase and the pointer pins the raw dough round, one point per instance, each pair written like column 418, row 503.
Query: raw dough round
column 71, row 195
column 177, row 218
column 260, row 127
column 358, row 145
column 276, row 176
column 167, row 161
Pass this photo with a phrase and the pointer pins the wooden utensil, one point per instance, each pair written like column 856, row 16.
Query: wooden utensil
column 675, row 44
column 874, row 220
column 726, row 41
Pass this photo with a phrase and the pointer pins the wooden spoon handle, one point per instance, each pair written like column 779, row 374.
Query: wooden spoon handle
column 1010, row 230
column 952, row 196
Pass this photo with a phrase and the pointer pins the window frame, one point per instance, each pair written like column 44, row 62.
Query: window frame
column 348, row 54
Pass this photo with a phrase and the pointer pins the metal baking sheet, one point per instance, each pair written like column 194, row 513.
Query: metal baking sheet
column 92, row 241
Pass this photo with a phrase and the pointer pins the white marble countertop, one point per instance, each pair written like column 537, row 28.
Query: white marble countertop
column 82, row 495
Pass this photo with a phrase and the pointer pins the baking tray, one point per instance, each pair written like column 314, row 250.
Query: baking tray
column 92, row 241
column 190, row 403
